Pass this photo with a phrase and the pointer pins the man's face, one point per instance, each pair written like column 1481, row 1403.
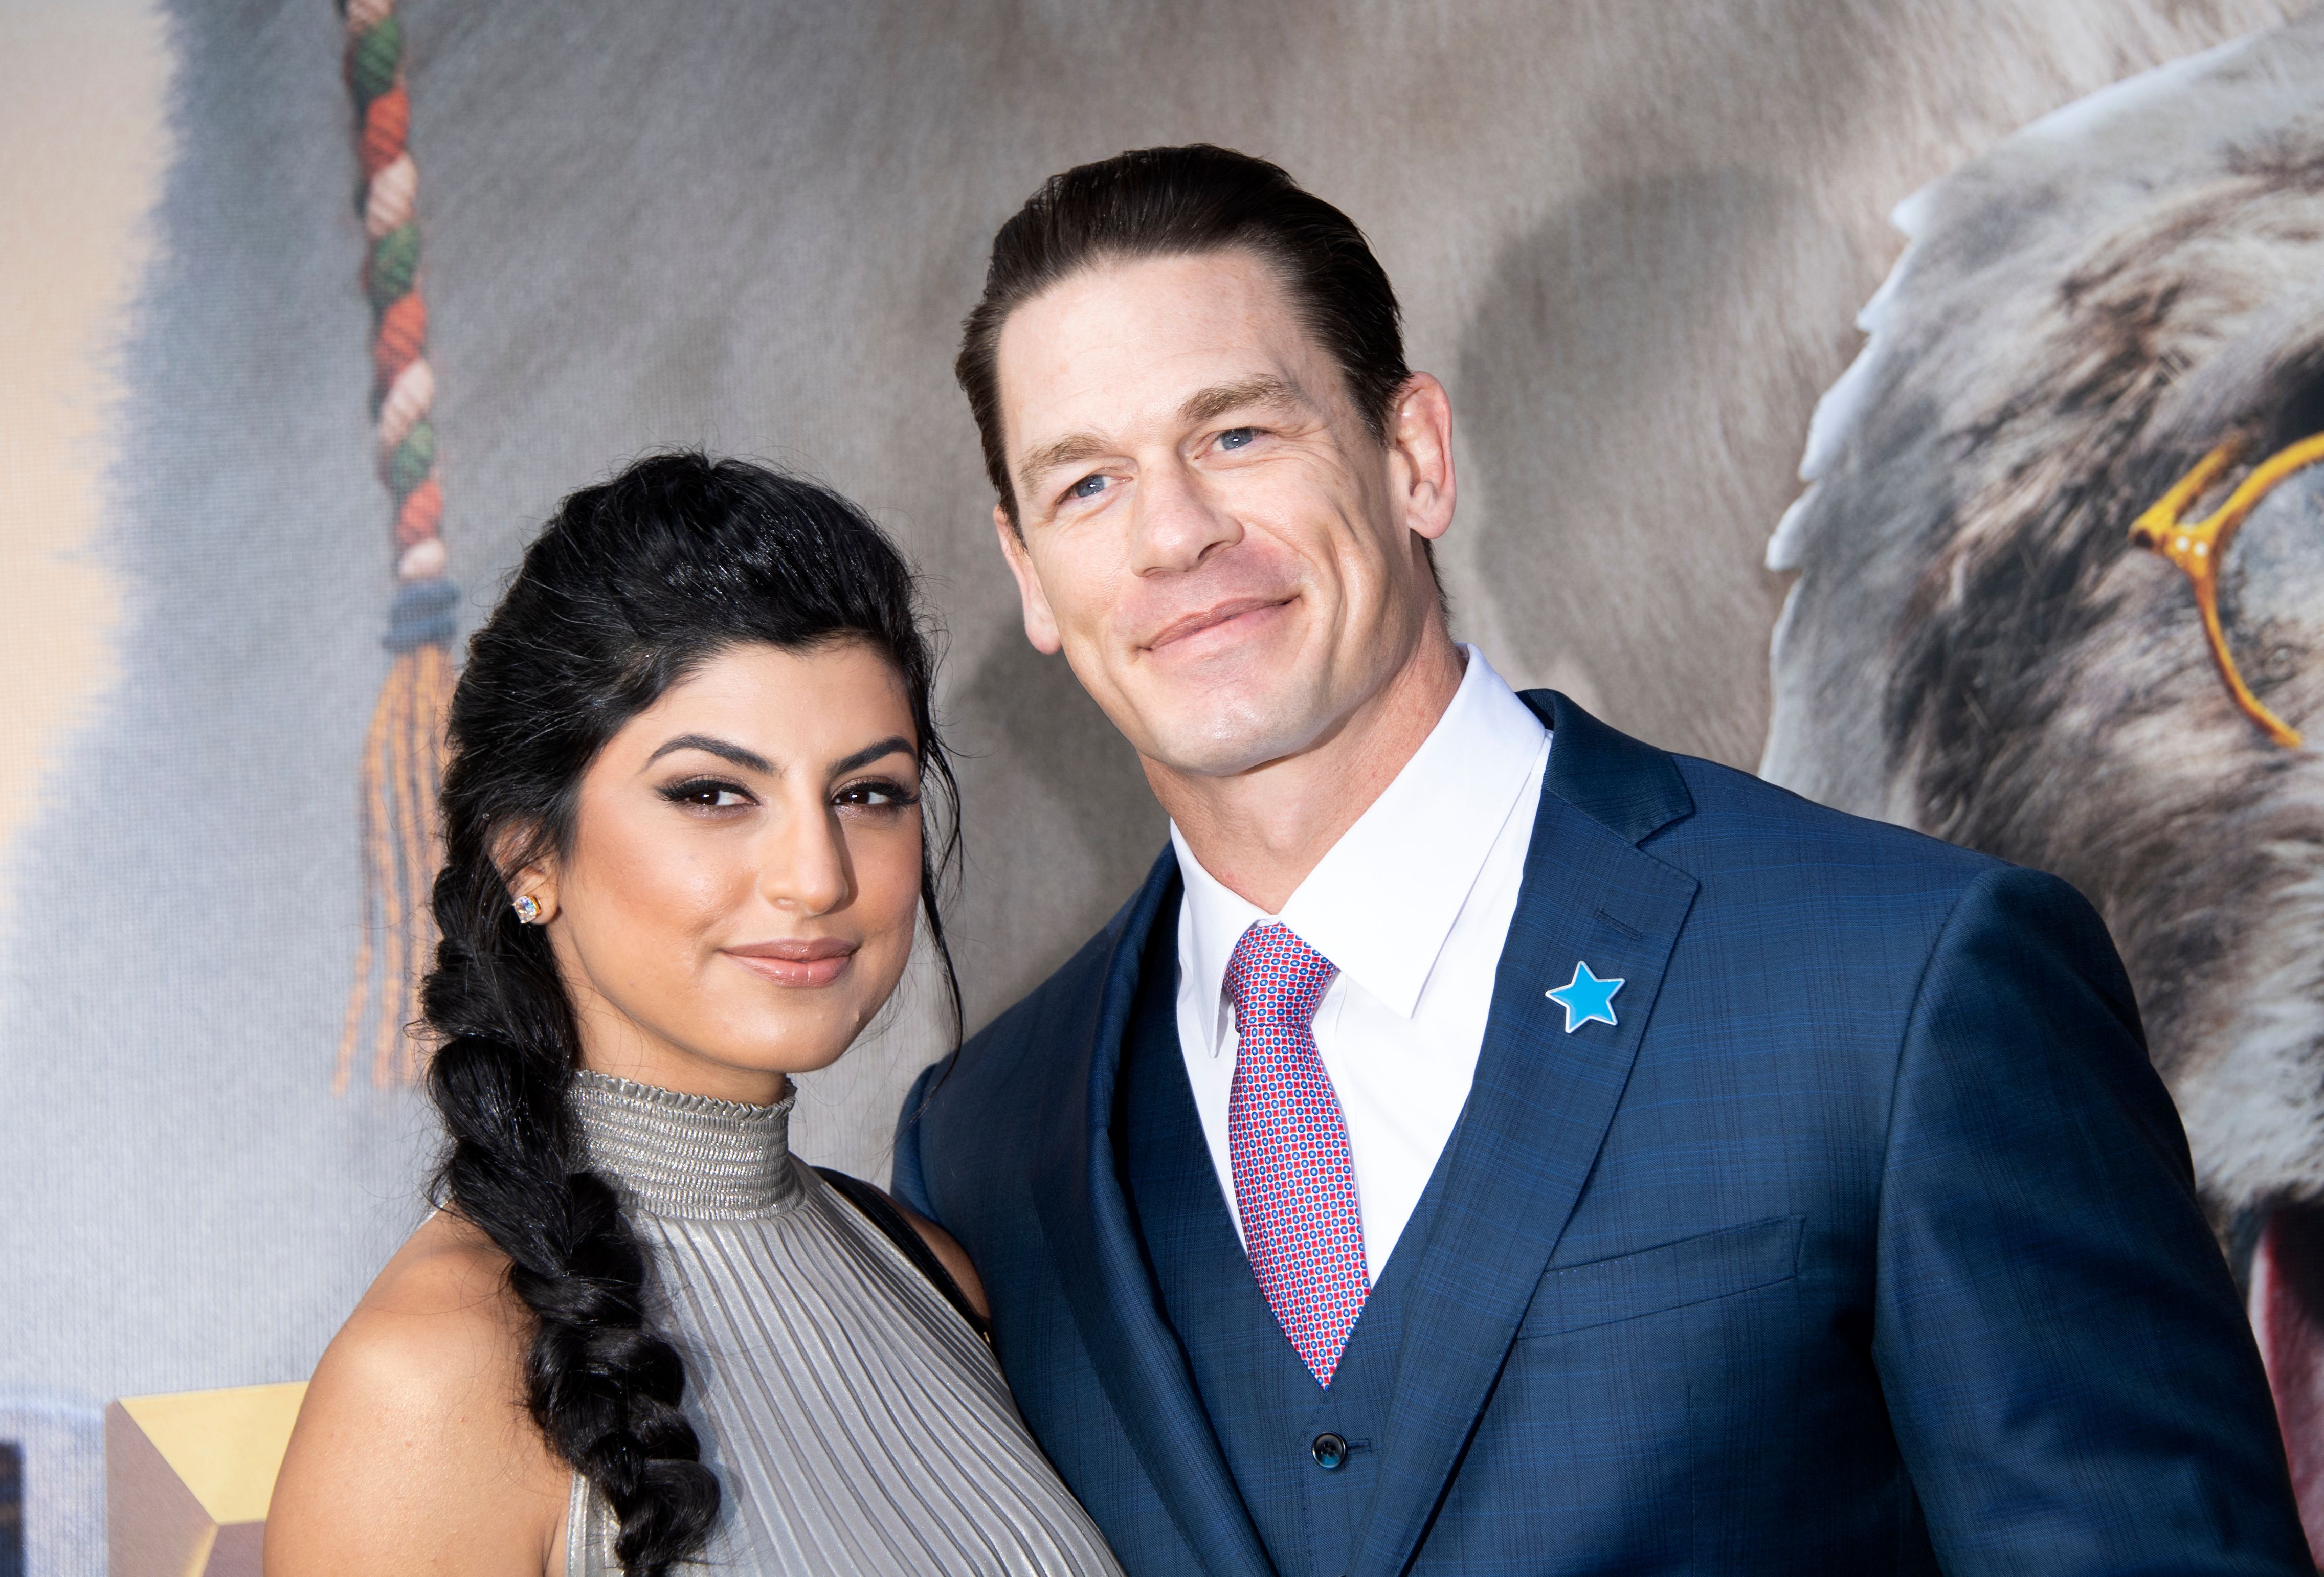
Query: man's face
column 1227, row 558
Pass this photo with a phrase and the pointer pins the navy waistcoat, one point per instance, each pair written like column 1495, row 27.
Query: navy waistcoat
column 1267, row 1410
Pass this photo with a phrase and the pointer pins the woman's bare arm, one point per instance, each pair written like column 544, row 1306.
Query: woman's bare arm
column 414, row 1452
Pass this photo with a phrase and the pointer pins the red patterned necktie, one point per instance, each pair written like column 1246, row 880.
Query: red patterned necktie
column 1294, row 1182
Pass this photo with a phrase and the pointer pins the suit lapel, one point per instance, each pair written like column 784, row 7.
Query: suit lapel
column 1541, row 1102
column 1106, row 1281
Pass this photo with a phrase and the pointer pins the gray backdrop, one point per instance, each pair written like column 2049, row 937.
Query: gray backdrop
column 1631, row 238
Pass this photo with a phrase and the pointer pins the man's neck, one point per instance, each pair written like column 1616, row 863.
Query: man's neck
column 1261, row 832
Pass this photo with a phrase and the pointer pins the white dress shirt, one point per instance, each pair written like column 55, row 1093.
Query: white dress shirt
column 1412, row 906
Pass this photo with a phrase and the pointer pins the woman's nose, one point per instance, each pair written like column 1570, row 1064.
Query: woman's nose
column 805, row 867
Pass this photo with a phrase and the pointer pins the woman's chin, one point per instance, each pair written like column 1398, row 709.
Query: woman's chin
column 795, row 1054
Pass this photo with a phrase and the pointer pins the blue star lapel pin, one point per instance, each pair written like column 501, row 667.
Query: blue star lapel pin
column 1585, row 996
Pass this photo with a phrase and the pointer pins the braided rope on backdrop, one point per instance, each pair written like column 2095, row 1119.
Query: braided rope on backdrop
column 404, row 748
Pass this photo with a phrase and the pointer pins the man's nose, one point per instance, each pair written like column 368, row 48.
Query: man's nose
column 1179, row 521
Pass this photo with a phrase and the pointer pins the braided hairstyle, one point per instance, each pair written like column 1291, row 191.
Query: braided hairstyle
column 631, row 588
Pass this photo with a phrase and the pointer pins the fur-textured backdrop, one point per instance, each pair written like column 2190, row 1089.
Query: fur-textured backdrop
column 1976, row 648
column 1631, row 238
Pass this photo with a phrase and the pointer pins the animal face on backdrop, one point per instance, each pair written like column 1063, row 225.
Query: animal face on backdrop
column 1630, row 238
column 2062, row 597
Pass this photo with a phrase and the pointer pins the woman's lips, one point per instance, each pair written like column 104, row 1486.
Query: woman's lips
column 796, row 964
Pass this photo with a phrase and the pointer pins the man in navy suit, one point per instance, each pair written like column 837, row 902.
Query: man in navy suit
column 1488, row 1143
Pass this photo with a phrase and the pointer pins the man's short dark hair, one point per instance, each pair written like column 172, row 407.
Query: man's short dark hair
column 1166, row 202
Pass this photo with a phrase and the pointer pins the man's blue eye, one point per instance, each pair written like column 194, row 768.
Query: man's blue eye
column 1087, row 487
column 1235, row 438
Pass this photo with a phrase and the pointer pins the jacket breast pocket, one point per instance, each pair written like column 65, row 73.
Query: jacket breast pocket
column 1672, row 1276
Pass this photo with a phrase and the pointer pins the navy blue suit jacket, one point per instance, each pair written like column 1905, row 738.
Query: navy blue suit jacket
column 1866, row 1241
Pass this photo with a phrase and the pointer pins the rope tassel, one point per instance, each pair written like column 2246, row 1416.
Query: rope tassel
column 404, row 748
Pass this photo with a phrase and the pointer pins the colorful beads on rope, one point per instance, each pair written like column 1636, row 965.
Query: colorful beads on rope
column 405, row 387
column 402, row 765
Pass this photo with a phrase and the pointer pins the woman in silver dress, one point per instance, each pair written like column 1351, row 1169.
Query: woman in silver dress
column 685, row 859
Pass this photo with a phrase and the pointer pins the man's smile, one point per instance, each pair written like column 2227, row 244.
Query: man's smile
column 1221, row 624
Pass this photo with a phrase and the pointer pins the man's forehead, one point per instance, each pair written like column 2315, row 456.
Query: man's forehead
column 1146, row 338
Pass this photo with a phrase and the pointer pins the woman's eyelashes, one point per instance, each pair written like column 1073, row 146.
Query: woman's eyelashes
column 876, row 795
column 708, row 794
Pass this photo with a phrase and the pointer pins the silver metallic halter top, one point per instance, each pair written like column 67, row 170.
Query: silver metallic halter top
column 855, row 1422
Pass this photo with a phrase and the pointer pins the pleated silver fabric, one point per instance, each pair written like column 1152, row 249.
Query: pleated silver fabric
column 855, row 1422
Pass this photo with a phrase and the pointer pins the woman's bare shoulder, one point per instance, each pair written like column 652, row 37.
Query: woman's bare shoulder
column 438, row 1326
column 949, row 1254
column 414, row 1444
column 446, row 1267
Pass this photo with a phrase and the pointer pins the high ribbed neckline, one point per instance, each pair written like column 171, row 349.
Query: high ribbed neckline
column 688, row 1157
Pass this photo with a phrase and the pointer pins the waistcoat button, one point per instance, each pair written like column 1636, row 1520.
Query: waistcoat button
column 1330, row 1452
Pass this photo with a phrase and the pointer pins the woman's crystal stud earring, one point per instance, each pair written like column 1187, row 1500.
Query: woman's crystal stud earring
column 528, row 910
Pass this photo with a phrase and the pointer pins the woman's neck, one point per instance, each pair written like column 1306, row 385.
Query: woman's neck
column 616, row 1045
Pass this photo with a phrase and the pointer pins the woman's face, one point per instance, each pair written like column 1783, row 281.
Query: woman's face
column 740, row 891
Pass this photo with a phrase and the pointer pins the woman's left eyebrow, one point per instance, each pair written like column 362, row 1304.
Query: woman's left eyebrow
column 750, row 761
column 873, row 752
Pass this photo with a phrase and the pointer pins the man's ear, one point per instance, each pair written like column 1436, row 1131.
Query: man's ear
column 1420, row 456
column 1040, row 623
column 535, row 879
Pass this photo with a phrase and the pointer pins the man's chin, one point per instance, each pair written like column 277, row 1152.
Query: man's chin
column 1231, row 745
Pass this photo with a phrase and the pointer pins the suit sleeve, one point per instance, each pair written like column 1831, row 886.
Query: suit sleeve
column 2067, row 1364
column 909, row 1182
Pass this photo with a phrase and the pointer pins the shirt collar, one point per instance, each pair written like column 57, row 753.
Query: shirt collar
column 1382, row 900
